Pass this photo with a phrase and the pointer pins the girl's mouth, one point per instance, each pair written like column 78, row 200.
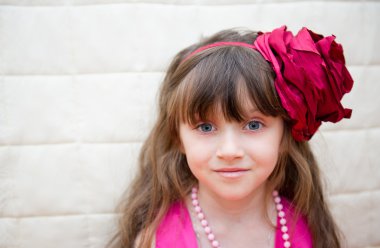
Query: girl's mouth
column 232, row 172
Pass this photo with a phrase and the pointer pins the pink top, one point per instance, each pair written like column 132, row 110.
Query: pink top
column 176, row 229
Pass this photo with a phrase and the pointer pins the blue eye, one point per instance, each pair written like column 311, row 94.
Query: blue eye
column 205, row 127
column 254, row 125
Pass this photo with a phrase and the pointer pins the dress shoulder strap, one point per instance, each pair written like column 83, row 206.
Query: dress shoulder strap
column 176, row 229
column 299, row 232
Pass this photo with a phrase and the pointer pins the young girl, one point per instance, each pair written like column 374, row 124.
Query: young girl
column 228, row 163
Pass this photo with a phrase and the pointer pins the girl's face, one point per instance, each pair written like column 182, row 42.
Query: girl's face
column 230, row 159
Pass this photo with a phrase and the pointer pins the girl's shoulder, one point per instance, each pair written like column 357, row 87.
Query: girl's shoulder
column 176, row 229
column 298, row 228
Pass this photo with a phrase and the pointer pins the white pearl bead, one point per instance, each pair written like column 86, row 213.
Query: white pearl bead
column 285, row 236
column 277, row 199
column 204, row 222
column 198, row 209
column 201, row 216
column 287, row 244
column 279, row 206
column 284, row 229
column 211, row 236
column 195, row 202
column 282, row 221
column 215, row 243
column 207, row 229
column 281, row 214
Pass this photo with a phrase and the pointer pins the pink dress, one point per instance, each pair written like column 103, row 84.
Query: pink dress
column 176, row 229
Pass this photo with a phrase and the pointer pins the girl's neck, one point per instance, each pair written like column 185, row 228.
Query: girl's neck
column 249, row 208
column 237, row 223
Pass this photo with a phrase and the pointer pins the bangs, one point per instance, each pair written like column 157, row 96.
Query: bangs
column 231, row 80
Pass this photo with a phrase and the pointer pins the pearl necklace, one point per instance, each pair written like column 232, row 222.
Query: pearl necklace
column 210, row 235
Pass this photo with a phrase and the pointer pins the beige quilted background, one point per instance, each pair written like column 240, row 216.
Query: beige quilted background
column 78, row 83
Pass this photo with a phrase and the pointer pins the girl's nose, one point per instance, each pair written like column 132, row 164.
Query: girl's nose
column 229, row 148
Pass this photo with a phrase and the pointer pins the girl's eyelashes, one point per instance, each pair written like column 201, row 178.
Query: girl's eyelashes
column 205, row 127
column 253, row 125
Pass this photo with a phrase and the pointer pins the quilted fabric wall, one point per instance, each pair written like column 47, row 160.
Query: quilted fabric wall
column 78, row 89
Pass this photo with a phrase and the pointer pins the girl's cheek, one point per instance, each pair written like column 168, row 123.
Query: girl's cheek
column 201, row 148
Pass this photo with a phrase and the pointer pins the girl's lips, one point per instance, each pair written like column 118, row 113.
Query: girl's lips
column 232, row 172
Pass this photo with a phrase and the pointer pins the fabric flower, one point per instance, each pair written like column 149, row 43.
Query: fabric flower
column 311, row 77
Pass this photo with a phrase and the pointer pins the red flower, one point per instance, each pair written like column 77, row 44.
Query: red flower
column 311, row 77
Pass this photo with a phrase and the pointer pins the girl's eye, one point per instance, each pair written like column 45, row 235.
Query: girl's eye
column 254, row 125
column 205, row 127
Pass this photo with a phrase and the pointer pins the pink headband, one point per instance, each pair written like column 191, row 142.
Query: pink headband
column 311, row 76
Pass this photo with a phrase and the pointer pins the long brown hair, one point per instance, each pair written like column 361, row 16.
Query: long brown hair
column 216, row 76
